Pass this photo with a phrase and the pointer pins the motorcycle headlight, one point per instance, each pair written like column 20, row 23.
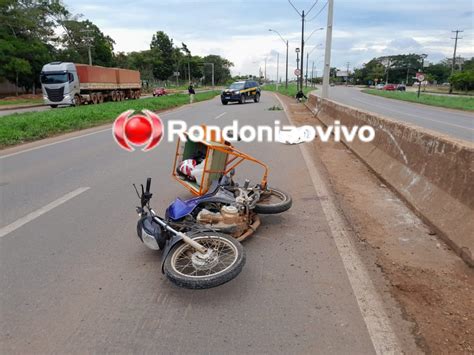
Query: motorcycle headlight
column 149, row 240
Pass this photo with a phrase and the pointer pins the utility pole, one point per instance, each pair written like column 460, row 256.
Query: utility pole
column 212, row 65
column 454, row 56
column 303, row 16
column 265, row 75
column 297, row 50
column 89, row 39
column 278, row 64
column 189, row 72
column 347, row 65
column 306, row 76
column 302, row 49
column 312, row 77
column 388, row 67
column 327, row 55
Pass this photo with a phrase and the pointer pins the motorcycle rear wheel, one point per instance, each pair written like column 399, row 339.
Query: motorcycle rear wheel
column 184, row 268
column 273, row 201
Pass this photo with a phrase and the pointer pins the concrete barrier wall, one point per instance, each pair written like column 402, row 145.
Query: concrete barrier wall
column 432, row 172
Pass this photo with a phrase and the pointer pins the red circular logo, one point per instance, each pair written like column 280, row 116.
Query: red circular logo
column 138, row 130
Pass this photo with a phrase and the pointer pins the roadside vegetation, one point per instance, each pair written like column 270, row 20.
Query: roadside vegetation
column 290, row 91
column 454, row 102
column 25, row 127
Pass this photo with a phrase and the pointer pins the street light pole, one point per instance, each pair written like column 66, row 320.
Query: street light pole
column 327, row 55
column 212, row 65
column 278, row 64
column 307, row 61
column 265, row 75
column 286, row 44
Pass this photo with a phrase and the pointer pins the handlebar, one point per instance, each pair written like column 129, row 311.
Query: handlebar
column 148, row 185
column 146, row 195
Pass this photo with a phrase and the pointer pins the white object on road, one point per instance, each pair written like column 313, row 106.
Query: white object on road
column 295, row 136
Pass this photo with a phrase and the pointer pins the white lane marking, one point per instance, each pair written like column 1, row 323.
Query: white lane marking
column 371, row 306
column 73, row 138
column 219, row 116
column 54, row 143
column 35, row 214
column 412, row 115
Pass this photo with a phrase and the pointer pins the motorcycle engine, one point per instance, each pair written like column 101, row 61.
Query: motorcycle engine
column 227, row 220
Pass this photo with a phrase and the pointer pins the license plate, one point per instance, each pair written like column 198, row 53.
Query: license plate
column 227, row 97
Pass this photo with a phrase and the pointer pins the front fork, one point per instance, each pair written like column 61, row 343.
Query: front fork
column 181, row 235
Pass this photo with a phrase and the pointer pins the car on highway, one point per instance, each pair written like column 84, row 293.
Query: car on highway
column 159, row 92
column 401, row 87
column 379, row 86
column 390, row 87
column 241, row 91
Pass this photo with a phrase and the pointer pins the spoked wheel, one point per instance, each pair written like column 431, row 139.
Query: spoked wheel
column 273, row 201
column 223, row 261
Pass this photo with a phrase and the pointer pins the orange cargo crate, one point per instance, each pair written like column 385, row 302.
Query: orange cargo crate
column 96, row 74
column 127, row 76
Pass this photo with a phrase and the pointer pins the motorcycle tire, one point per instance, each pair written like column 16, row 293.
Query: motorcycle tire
column 181, row 269
column 266, row 206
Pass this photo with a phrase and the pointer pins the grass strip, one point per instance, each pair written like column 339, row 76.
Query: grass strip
column 290, row 91
column 454, row 102
column 30, row 126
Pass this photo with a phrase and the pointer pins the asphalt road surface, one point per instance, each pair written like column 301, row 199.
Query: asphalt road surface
column 455, row 123
column 76, row 279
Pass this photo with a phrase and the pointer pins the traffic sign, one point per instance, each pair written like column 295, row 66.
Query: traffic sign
column 297, row 72
column 420, row 76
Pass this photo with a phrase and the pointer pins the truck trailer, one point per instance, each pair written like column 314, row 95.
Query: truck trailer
column 76, row 84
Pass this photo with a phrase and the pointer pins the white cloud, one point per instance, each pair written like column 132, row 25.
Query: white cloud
column 239, row 30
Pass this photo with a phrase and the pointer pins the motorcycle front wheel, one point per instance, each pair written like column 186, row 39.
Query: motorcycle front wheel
column 188, row 268
column 273, row 201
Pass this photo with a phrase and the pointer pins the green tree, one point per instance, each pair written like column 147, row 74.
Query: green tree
column 440, row 72
column 27, row 38
column 76, row 40
column 463, row 80
column 164, row 54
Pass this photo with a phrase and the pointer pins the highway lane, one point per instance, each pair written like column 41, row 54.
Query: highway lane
column 455, row 123
column 77, row 279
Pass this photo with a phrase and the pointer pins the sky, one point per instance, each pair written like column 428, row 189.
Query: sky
column 239, row 29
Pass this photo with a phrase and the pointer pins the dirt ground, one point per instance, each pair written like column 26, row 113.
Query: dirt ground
column 21, row 97
column 432, row 285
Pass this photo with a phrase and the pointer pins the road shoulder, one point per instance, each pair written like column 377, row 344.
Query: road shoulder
column 408, row 264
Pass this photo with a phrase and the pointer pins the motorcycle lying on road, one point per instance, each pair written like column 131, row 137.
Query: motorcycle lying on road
column 229, row 208
column 200, row 237
column 193, row 256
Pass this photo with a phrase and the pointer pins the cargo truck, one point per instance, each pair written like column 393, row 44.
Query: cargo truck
column 76, row 84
